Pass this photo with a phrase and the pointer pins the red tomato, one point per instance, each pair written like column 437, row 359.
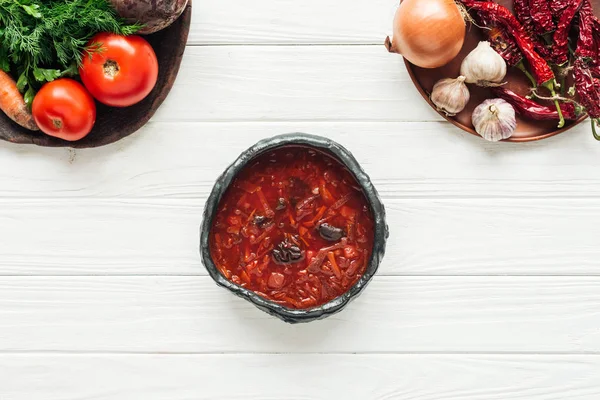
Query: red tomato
column 122, row 72
column 64, row 109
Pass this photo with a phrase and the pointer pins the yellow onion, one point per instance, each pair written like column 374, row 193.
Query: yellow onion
column 428, row 33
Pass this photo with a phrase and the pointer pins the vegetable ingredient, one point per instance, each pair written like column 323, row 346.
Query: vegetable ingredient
column 13, row 104
column 503, row 43
column 42, row 40
column 153, row 14
column 494, row 120
column 586, row 46
column 585, row 66
column 429, row 33
column 541, row 16
column 330, row 232
column 588, row 89
column 122, row 72
column 560, row 48
column 523, row 12
column 530, row 109
column 64, row 109
column 451, row 96
column 542, row 72
column 489, row 10
column 483, row 66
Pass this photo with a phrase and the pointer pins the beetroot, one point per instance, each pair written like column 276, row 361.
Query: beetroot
column 153, row 14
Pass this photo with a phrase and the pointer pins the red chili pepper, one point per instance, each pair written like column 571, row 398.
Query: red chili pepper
column 540, row 68
column 560, row 48
column 522, row 12
column 501, row 41
column 557, row 7
column 505, row 45
column 586, row 45
column 588, row 90
column 530, row 109
column 541, row 16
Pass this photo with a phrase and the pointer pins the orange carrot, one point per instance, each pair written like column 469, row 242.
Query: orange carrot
column 12, row 103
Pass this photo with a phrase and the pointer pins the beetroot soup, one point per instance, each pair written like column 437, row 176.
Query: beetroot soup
column 294, row 227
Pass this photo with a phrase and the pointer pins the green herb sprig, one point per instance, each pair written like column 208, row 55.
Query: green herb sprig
column 43, row 40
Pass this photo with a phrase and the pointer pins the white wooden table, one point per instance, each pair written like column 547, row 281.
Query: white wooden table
column 490, row 288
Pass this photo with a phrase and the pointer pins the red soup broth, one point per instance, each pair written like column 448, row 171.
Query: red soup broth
column 294, row 227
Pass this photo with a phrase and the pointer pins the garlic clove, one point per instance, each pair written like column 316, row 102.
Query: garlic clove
column 450, row 96
column 483, row 66
column 494, row 120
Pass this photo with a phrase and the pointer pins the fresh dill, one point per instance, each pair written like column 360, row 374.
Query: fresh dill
column 42, row 40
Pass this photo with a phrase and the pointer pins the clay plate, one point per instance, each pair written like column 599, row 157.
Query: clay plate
column 527, row 130
column 113, row 124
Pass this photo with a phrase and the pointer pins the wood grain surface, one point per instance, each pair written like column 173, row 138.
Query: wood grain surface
column 158, row 314
column 382, row 377
column 522, row 237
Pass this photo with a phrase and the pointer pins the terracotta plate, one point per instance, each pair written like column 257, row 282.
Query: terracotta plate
column 527, row 130
column 113, row 124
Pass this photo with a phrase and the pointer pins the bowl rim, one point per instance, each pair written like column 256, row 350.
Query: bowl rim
column 334, row 149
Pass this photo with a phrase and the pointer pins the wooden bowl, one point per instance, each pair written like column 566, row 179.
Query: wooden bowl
column 527, row 130
column 113, row 124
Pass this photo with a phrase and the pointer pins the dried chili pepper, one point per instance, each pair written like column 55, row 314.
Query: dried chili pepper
column 523, row 14
column 557, row 7
column 560, row 48
column 540, row 68
column 489, row 10
column 501, row 41
column 530, row 109
column 541, row 16
column 588, row 89
column 504, row 45
column 586, row 45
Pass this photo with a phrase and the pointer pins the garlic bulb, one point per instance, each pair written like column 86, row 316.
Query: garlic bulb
column 483, row 66
column 450, row 96
column 494, row 120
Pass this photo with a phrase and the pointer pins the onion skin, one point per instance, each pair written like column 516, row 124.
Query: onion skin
column 428, row 33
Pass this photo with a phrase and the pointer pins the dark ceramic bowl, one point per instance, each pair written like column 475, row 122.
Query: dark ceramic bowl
column 345, row 157
column 113, row 124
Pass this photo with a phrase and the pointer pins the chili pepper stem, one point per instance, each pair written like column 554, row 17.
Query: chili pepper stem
column 594, row 123
column 561, row 122
column 521, row 66
column 550, row 86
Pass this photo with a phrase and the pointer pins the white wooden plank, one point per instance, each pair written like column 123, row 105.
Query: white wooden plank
column 405, row 160
column 291, row 22
column 295, row 377
column 395, row 314
column 278, row 83
column 428, row 237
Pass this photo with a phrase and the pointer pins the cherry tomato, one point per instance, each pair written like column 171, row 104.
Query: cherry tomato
column 64, row 109
column 121, row 70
